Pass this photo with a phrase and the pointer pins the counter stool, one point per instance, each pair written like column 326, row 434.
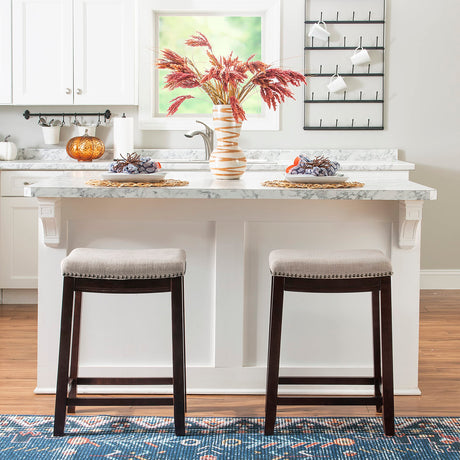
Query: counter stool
column 333, row 272
column 119, row 272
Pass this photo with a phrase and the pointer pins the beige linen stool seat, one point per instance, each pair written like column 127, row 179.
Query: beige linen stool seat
column 121, row 272
column 333, row 272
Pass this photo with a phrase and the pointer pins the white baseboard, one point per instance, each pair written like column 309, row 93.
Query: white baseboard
column 221, row 381
column 19, row 296
column 135, row 390
column 439, row 279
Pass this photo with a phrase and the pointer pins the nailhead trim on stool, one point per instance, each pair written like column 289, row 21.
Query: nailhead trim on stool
column 124, row 264
column 358, row 263
column 313, row 271
column 119, row 272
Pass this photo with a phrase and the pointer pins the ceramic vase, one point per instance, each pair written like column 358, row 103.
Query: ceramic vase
column 227, row 160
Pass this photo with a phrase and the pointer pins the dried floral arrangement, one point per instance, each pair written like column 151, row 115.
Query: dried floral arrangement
column 229, row 80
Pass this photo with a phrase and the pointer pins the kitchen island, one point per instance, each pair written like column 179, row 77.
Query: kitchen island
column 228, row 229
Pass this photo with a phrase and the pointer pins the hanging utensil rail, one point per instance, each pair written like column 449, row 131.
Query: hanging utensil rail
column 107, row 114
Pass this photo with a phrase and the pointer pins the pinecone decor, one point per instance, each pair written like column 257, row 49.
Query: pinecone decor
column 133, row 163
column 319, row 166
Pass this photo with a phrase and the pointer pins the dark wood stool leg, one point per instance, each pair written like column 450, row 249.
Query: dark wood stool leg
column 376, row 347
column 64, row 355
column 387, row 358
column 75, row 349
column 178, row 355
column 276, row 315
column 183, row 342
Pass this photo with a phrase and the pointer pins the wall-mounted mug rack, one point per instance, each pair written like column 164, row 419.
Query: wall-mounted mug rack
column 353, row 25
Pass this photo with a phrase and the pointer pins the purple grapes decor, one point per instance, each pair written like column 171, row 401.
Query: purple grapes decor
column 133, row 163
column 318, row 166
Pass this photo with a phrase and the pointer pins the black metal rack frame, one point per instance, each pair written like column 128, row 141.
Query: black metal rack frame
column 107, row 114
column 311, row 47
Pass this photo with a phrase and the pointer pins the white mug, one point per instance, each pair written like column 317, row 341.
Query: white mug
column 319, row 32
column 360, row 56
column 336, row 83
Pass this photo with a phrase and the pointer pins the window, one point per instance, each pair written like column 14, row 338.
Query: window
column 244, row 27
column 240, row 34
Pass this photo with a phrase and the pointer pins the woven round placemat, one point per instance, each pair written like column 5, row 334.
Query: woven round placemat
column 163, row 183
column 287, row 184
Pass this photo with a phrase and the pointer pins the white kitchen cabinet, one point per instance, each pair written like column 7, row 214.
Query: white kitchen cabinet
column 104, row 52
column 74, row 52
column 5, row 51
column 19, row 230
column 42, row 52
column 19, row 243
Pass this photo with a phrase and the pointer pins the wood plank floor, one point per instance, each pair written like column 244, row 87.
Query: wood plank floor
column 439, row 371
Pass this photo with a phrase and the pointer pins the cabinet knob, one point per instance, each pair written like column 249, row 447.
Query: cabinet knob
column 68, row 91
column 26, row 183
column 79, row 91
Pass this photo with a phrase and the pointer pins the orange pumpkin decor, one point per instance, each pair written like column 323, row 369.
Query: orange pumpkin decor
column 85, row 148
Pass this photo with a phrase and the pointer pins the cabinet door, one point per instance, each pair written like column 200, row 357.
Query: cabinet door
column 5, row 52
column 42, row 52
column 19, row 243
column 105, row 53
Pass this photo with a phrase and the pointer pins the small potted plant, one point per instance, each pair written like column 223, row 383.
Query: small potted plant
column 50, row 130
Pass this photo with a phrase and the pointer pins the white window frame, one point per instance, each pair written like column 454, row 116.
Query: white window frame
column 268, row 10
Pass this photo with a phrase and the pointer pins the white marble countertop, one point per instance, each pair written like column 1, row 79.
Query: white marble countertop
column 203, row 186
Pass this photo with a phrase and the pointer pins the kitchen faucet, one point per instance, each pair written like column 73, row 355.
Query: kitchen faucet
column 208, row 138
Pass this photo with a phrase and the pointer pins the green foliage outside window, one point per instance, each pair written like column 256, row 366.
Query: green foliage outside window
column 240, row 34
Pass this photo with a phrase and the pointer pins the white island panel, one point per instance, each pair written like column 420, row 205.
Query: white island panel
column 227, row 285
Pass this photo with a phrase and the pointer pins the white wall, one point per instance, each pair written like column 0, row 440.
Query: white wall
column 422, row 115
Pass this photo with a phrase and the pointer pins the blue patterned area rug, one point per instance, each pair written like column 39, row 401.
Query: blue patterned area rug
column 142, row 438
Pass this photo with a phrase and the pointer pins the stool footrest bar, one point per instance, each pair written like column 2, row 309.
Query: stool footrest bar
column 120, row 401
column 124, row 380
column 326, row 381
column 329, row 401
